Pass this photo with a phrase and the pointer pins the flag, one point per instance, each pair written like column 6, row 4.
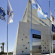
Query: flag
column 51, row 18
column 9, row 12
column 40, row 13
column 2, row 13
column 53, row 27
column 53, row 22
column 34, row 4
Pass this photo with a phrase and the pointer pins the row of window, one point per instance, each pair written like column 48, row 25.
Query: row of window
column 24, row 44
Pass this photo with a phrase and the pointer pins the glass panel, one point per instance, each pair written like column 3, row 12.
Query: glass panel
column 36, row 41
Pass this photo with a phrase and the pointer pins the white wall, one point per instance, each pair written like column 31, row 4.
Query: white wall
column 23, row 37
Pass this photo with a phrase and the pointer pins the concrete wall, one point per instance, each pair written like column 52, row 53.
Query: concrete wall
column 23, row 38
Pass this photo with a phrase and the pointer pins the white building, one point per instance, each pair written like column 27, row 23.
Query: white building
column 40, row 33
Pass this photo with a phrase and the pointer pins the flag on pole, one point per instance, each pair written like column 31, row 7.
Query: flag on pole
column 52, row 18
column 53, row 27
column 9, row 12
column 53, row 22
column 2, row 13
column 40, row 14
column 34, row 4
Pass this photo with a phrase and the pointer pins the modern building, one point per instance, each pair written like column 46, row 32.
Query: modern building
column 40, row 34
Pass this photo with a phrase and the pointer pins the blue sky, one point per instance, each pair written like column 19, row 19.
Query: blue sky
column 18, row 8
column 45, row 6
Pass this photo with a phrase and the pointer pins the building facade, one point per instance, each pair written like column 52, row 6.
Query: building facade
column 36, row 42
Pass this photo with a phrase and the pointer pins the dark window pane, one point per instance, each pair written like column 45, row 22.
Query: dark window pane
column 36, row 36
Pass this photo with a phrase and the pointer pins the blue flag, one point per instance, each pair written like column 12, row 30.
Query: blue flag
column 53, row 27
column 2, row 14
column 34, row 4
column 40, row 13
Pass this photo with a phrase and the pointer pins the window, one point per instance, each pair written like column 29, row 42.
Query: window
column 23, row 45
column 22, row 39
column 26, row 48
column 43, row 50
column 28, row 42
column 22, row 51
column 36, row 36
column 45, row 47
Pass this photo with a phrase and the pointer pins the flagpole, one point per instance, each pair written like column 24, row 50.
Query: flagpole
column 50, row 26
column 51, row 34
column 52, row 42
column 7, row 31
column 31, row 15
column 7, row 36
column 31, row 30
column 9, row 19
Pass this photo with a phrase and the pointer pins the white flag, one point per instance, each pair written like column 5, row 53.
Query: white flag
column 9, row 12
column 33, row 1
column 51, row 18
